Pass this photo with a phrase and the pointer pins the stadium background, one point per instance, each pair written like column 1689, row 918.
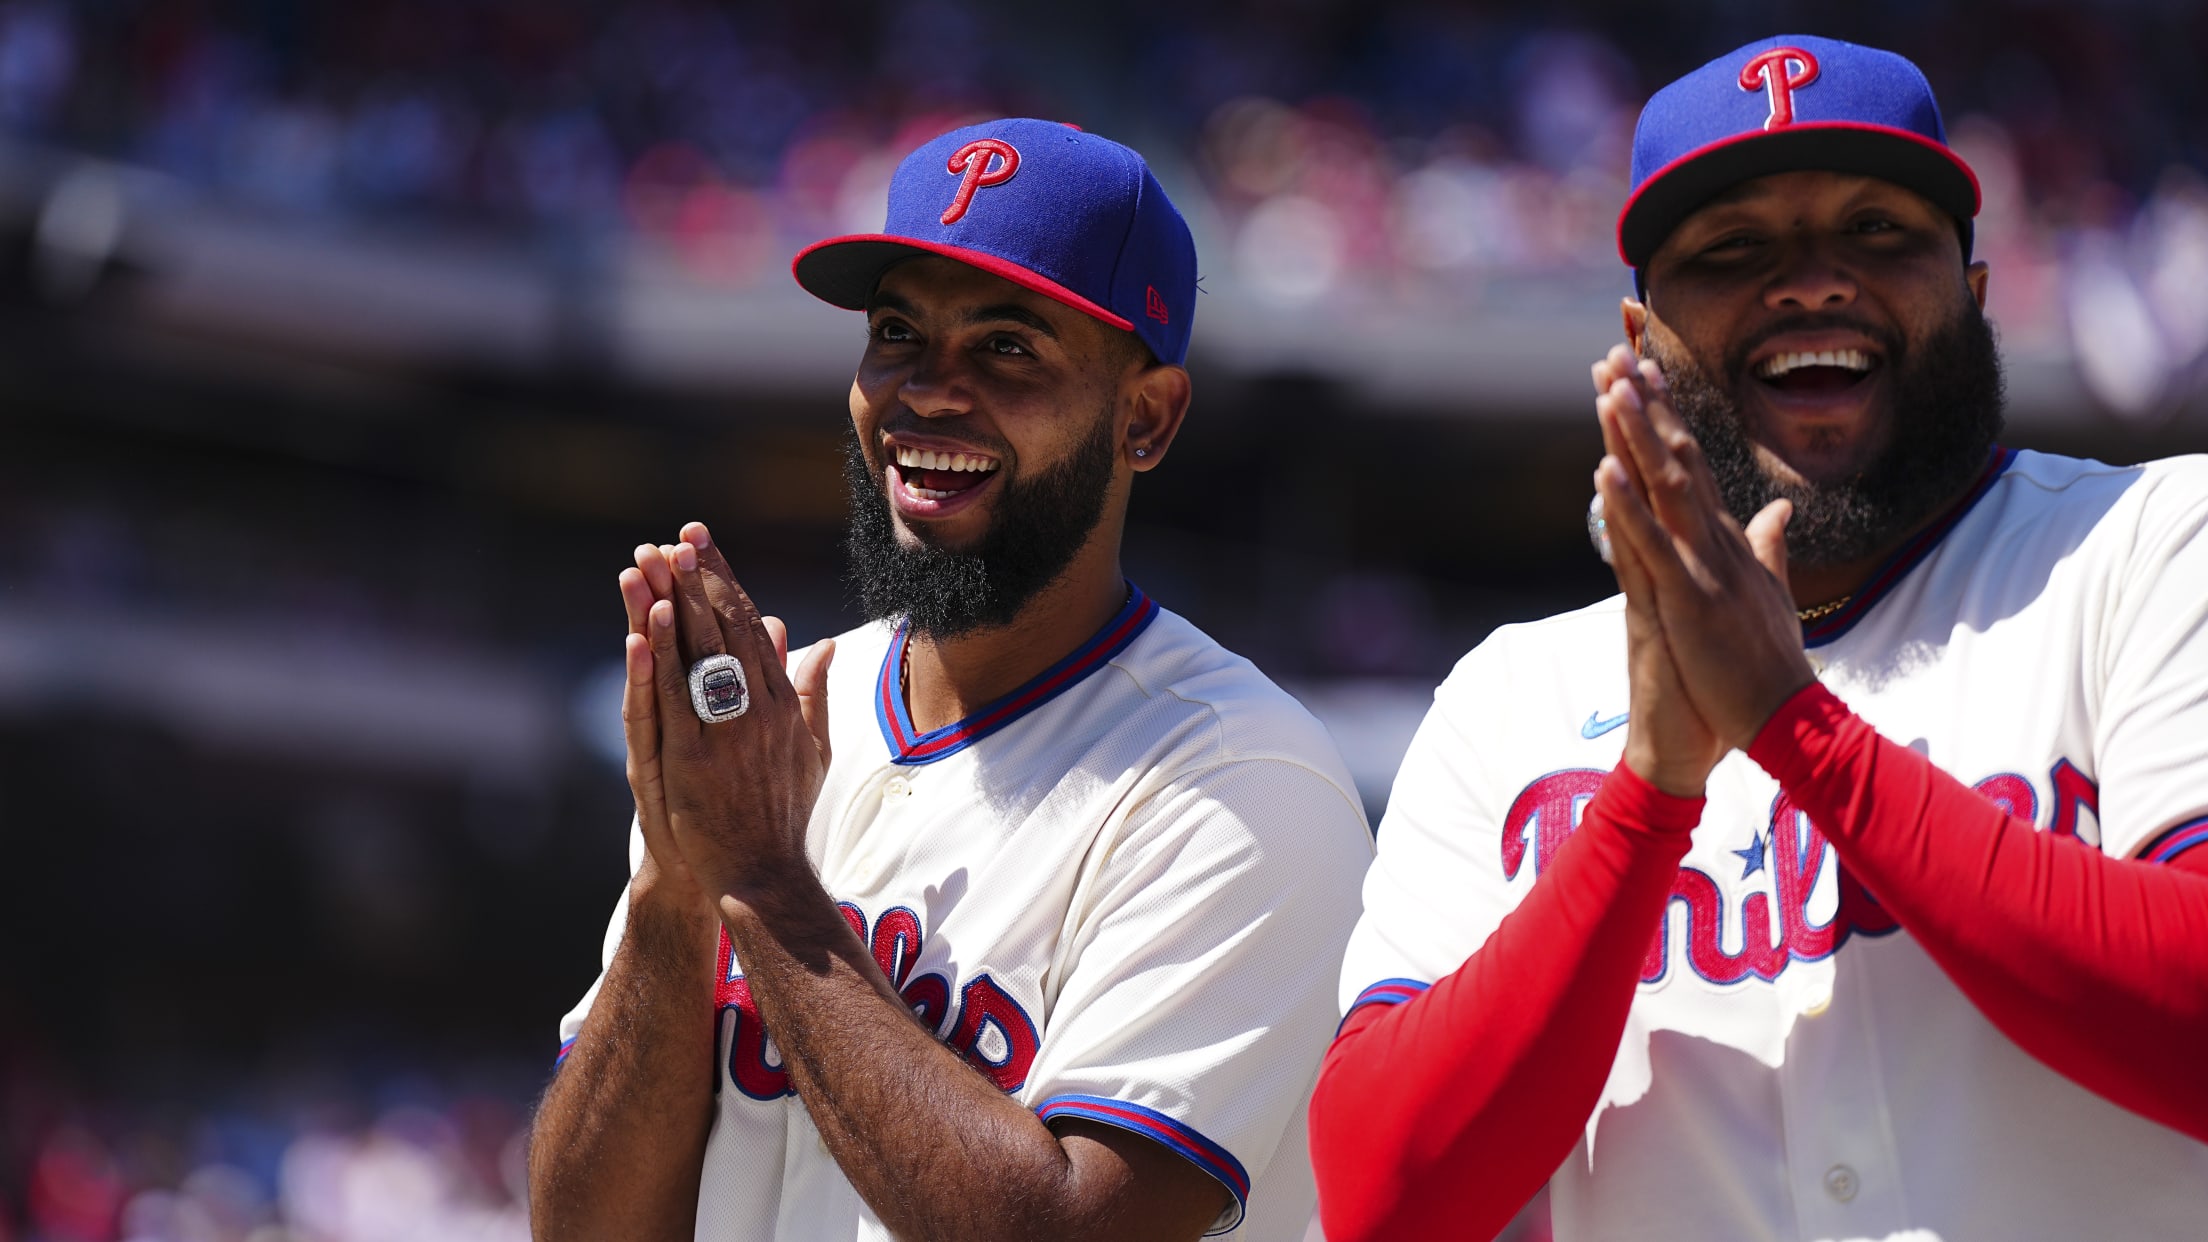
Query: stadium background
column 346, row 348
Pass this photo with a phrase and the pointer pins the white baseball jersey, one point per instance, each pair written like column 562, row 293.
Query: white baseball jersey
column 1120, row 892
column 1793, row 1066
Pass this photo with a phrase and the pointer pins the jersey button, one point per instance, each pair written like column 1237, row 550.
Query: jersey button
column 896, row 787
column 1841, row 1183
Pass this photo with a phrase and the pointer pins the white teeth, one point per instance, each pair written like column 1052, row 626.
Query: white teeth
column 929, row 459
column 1850, row 359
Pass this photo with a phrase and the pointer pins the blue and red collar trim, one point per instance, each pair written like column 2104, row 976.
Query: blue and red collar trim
column 1904, row 559
column 909, row 746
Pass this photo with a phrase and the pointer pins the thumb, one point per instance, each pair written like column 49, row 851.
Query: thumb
column 1767, row 537
column 811, row 683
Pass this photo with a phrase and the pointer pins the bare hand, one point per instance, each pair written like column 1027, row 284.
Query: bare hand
column 738, row 793
column 662, row 875
column 1720, row 591
column 1667, row 742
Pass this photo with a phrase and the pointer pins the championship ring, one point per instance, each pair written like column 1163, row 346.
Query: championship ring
column 1598, row 531
column 717, row 689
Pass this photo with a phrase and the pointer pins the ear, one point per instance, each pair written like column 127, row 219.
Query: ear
column 1976, row 276
column 1635, row 316
column 1156, row 400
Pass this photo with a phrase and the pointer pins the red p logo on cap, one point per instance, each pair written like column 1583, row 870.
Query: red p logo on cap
column 973, row 162
column 1773, row 71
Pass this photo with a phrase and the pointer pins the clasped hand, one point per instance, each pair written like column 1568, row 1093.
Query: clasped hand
column 1713, row 645
column 723, row 806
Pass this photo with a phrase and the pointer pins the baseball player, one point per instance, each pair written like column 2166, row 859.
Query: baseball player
column 1026, row 896
column 1844, row 877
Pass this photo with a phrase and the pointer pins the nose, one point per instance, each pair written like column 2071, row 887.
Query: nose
column 936, row 386
column 1809, row 278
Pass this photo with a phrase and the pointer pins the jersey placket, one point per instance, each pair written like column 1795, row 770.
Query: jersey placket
column 1842, row 1167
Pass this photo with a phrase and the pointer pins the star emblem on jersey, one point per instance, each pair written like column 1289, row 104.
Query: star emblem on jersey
column 1596, row 726
column 1751, row 858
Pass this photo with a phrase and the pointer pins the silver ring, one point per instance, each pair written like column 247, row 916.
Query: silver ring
column 718, row 690
column 1598, row 530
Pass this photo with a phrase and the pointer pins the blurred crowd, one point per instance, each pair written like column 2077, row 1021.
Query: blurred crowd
column 1464, row 156
column 304, row 1162
column 1421, row 151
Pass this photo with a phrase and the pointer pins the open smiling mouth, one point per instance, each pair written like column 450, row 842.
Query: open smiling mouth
column 1818, row 372
column 927, row 475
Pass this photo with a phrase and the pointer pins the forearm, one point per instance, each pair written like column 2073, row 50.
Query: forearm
column 619, row 1139
column 2097, row 966
column 934, row 1148
column 1441, row 1116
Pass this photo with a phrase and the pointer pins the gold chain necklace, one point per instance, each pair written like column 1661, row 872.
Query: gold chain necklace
column 1821, row 611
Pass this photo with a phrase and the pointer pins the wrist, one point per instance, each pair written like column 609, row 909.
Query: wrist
column 656, row 894
column 1626, row 797
column 773, row 890
column 1764, row 711
column 1667, row 776
column 1801, row 727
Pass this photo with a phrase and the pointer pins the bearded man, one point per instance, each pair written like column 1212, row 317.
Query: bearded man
column 1683, row 905
column 1026, row 906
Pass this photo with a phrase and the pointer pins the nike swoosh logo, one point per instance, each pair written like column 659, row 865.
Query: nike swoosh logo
column 1596, row 726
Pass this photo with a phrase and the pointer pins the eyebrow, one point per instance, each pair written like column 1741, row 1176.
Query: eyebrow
column 1001, row 312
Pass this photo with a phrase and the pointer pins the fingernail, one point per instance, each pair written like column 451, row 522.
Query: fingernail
column 698, row 535
column 663, row 615
column 686, row 557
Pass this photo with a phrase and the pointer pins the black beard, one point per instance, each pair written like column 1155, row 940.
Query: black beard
column 1040, row 525
column 1947, row 398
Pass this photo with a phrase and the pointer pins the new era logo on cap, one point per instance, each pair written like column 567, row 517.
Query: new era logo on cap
column 1786, row 104
column 1070, row 215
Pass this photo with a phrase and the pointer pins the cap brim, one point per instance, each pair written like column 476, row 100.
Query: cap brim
column 843, row 271
column 1677, row 189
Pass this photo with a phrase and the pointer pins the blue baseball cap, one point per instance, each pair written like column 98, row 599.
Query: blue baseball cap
column 1072, row 216
column 1782, row 105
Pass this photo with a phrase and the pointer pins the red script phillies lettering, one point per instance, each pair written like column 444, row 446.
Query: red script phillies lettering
column 1790, row 850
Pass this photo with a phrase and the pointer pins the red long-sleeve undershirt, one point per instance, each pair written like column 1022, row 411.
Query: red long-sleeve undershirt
column 1442, row 1115
column 2097, row 966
